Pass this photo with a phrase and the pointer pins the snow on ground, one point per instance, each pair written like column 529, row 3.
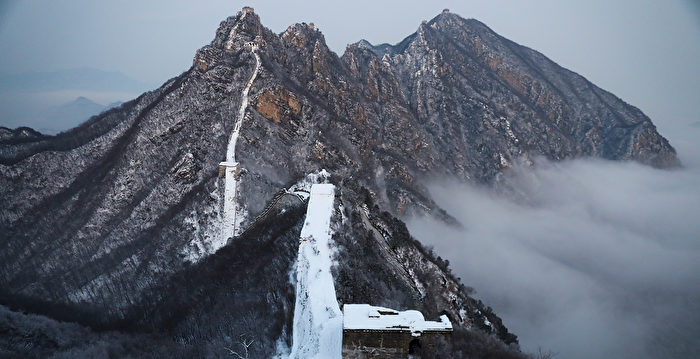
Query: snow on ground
column 303, row 187
column 365, row 316
column 206, row 224
column 197, row 247
column 318, row 321
column 233, row 215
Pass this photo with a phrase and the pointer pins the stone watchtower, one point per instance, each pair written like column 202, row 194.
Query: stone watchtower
column 234, row 167
column 376, row 332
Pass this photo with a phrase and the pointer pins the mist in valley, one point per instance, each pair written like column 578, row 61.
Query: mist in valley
column 595, row 259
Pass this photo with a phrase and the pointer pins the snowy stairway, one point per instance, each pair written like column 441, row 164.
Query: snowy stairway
column 318, row 321
column 233, row 214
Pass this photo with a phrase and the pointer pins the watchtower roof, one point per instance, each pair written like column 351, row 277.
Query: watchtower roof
column 367, row 317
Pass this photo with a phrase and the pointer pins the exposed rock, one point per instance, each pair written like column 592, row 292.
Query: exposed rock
column 277, row 104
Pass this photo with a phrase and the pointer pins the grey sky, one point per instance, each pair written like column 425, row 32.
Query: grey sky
column 645, row 51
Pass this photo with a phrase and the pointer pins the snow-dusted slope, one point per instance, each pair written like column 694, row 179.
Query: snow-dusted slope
column 318, row 321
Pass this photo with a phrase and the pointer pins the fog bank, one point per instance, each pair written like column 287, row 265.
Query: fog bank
column 602, row 259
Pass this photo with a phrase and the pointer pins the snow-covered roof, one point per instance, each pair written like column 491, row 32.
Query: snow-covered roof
column 365, row 316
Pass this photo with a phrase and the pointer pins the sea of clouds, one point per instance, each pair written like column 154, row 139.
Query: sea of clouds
column 595, row 259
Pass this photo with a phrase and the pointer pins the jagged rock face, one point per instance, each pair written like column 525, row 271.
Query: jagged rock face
column 452, row 99
column 485, row 102
column 583, row 119
column 110, row 211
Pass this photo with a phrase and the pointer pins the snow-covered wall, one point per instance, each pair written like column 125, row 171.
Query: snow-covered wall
column 318, row 321
column 233, row 214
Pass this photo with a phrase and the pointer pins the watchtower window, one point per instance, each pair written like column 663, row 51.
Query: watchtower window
column 388, row 312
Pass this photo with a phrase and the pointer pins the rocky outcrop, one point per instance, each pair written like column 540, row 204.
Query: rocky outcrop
column 278, row 105
column 485, row 103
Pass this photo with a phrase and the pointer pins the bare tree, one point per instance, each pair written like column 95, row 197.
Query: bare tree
column 245, row 344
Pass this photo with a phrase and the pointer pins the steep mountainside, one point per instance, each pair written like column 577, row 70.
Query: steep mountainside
column 115, row 223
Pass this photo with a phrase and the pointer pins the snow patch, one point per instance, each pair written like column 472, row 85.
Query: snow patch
column 503, row 161
column 462, row 315
column 197, row 246
column 305, row 184
column 509, row 130
column 343, row 217
column 206, row 224
column 302, row 188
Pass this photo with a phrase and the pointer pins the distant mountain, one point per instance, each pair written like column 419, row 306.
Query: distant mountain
column 88, row 79
column 179, row 213
column 73, row 113
column 39, row 99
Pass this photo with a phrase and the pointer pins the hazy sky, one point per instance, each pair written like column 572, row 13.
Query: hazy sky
column 645, row 51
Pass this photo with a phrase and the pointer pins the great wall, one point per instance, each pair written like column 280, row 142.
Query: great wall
column 233, row 214
column 351, row 333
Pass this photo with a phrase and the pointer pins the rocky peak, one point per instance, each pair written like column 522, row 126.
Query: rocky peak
column 307, row 41
column 449, row 51
column 302, row 30
column 447, row 19
column 363, row 44
column 245, row 25
column 236, row 34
